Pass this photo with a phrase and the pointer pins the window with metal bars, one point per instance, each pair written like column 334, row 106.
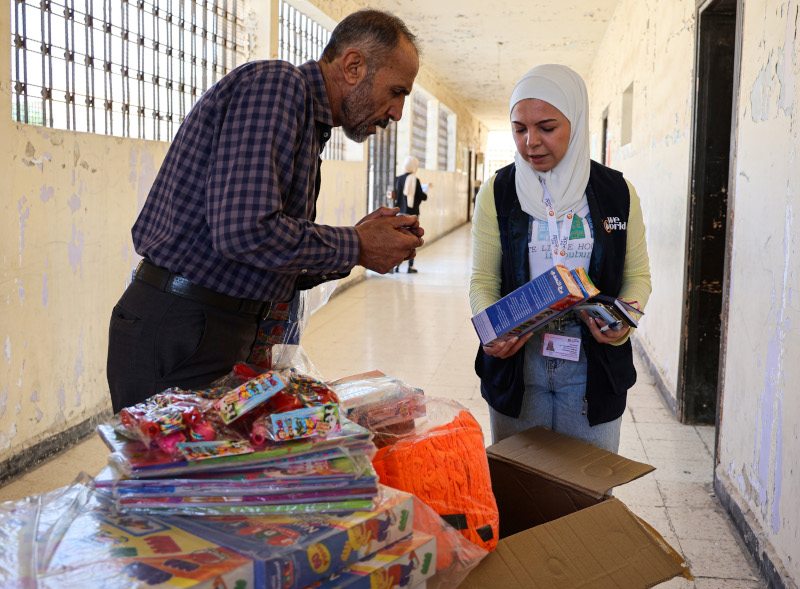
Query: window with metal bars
column 442, row 147
column 132, row 68
column 419, row 128
column 300, row 39
column 381, row 170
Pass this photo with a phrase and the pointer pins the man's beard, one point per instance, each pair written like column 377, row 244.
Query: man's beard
column 357, row 108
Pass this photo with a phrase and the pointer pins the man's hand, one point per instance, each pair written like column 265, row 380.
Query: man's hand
column 380, row 212
column 386, row 239
column 411, row 227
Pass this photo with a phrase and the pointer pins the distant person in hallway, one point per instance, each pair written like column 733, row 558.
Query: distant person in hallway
column 228, row 227
column 551, row 177
column 409, row 190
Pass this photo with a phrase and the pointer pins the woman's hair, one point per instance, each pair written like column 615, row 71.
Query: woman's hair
column 411, row 164
column 375, row 33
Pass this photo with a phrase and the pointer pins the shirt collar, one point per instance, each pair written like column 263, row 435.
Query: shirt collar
column 322, row 106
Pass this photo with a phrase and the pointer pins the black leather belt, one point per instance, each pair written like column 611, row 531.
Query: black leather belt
column 167, row 281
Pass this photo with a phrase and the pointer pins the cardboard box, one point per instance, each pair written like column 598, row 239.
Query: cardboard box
column 407, row 563
column 535, row 303
column 558, row 528
column 292, row 551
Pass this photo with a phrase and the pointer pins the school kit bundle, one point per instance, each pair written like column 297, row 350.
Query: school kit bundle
column 546, row 298
column 260, row 442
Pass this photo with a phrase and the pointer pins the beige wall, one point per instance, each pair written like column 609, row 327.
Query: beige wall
column 71, row 199
column 652, row 45
column 759, row 447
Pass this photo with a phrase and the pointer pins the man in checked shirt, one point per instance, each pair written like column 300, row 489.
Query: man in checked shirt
column 228, row 227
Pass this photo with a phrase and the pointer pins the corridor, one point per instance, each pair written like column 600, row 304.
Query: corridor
column 416, row 327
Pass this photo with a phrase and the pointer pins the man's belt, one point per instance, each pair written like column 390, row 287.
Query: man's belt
column 167, row 281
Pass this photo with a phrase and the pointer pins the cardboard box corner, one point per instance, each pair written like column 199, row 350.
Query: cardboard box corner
column 570, row 531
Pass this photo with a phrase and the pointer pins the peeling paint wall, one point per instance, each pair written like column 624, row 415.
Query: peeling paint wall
column 759, row 448
column 651, row 45
column 70, row 200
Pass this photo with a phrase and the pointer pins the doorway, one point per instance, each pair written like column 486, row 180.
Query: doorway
column 381, row 167
column 706, row 244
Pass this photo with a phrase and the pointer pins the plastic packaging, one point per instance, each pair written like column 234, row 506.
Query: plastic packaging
column 249, row 404
column 72, row 538
column 278, row 339
column 443, row 462
column 378, row 402
column 456, row 556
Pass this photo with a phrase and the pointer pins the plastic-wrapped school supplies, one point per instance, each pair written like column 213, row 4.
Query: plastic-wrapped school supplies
column 72, row 538
column 293, row 486
column 380, row 403
column 272, row 442
column 251, row 404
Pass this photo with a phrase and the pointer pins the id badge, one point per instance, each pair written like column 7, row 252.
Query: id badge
column 561, row 346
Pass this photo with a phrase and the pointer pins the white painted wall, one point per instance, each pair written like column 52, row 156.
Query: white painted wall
column 652, row 45
column 759, row 447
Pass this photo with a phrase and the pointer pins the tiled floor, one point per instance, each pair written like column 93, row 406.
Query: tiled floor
column 416, row 327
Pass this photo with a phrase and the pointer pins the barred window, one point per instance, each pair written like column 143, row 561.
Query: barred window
column 419, row 128
column 126, row 68
column 442, row 145
column 300, row 39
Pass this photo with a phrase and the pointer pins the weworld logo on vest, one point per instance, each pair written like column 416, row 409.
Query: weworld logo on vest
column 614, row 223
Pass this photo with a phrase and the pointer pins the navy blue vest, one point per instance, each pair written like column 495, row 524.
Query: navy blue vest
column 610, row 371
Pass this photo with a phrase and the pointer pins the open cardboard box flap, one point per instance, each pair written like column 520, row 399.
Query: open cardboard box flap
column 563, row 459
column 557, row 527
column 597, row 547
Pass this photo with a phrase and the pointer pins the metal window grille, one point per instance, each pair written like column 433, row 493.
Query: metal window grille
column 380, row 173
column 132, row 68
column 443, row 137
column 300, row 39
column 419, row 128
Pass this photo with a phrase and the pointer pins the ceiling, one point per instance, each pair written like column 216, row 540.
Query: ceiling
column 479, row 49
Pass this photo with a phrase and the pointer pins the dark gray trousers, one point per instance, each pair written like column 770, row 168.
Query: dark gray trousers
column 159, row 340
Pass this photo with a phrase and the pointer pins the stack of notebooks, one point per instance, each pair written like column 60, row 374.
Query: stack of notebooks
column 74, row 537
column 298, row 476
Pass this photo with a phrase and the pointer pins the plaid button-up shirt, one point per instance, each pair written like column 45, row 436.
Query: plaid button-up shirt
column 233, row 204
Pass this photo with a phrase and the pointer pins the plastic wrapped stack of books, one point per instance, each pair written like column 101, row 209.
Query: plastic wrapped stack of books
column 260, row 481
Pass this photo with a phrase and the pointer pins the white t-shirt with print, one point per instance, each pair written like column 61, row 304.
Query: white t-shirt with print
column 579, row 247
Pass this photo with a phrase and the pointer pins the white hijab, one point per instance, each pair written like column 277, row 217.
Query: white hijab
column 564, row 89
column 410, row 187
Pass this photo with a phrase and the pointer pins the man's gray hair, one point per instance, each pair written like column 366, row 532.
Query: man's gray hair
column 375, row 33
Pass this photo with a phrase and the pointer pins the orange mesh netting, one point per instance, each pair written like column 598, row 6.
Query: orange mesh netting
column 447, row 469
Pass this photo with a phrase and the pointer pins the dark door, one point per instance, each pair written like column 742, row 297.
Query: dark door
column 708, row 213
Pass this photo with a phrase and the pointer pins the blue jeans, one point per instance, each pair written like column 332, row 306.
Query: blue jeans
column 554, row 397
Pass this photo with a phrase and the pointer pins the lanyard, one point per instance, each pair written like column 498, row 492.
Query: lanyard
column 558, row 241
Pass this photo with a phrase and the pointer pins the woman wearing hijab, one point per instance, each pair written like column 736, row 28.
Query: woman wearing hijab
column 552, row 178
column 409, row 190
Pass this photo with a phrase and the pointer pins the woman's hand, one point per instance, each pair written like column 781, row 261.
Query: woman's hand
column 604, row 336
column 508, row 347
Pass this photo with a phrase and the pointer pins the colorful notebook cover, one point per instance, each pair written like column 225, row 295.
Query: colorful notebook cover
column 406, row 563
column 291, row 552
column 274, row 478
